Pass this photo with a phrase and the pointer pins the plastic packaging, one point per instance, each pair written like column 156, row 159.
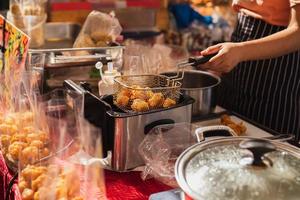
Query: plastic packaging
column 30, row 16
column 159, row 58
column 161, row 147
column 106, row 85
column 99, row 30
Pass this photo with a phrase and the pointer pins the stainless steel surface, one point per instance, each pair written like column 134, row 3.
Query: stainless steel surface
column 129, row 133
column 202, row 86
column 282, row 149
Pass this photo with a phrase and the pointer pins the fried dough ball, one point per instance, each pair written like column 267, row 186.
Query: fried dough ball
column 37, row 143
column 156, row 100
column 137, row 93
column 27, row 194
column 44, row 153
column 8, row 129
column 139, row 105
column 38, row 182
column 36, row 195
column 15, row 149
column 122, row 100
column 18, row 138
column 22, row 185
column 5, row 140
column 28, row 129
column 169, row 103
column 32, row 172
column 125, row 92
column 149, row 93
column 29, row 155
column 43, row 136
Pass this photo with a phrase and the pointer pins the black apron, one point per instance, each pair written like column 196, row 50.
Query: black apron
column 265, row 91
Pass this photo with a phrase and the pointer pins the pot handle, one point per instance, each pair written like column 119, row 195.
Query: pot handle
column 195, row 61
column 213, row 131
column 281, row 137
column 258, row 148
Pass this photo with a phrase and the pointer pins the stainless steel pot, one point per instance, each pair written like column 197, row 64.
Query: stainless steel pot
column 202, row 86
column 238, row 168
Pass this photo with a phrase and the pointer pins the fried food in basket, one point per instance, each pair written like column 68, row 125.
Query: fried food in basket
column 141, row 99
column 156, row 101
column 52, row 182
column 139, row 105
column 239, row 128
column 122, row 100
column 169, row 103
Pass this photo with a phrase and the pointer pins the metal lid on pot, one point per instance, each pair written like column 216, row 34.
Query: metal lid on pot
column 240, row 168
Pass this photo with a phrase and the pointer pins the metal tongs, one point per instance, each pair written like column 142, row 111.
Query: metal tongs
column 192, row 61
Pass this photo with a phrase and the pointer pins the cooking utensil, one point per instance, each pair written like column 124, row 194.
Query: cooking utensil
column 240, row 168
column 167, row 85
column 122, row 132
column 202, row 86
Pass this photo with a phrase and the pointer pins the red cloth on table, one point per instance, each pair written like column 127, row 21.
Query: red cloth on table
column 119, row 186
column 130, row 186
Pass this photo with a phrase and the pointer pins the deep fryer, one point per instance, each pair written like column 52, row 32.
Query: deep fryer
column 123, row 132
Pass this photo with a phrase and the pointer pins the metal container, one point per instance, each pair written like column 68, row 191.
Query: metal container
column 237, row 168
column 202, row 86
column 122, row 132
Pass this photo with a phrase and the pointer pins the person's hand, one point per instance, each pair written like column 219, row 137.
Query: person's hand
column 229, row 55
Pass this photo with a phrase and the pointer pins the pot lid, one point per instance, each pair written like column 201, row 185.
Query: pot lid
column 240, row 168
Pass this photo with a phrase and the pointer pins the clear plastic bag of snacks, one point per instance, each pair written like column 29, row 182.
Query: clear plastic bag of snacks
column 162, row 146
column 99, row 30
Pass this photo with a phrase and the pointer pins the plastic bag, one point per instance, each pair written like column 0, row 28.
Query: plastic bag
column 159, row 58
column 162, row 146
column 99, row 30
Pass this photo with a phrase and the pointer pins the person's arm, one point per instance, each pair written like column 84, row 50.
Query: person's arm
column 230, row 54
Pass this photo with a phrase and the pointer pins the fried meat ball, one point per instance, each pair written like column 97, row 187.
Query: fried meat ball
column 38, row 182
column 32, row 172
column 122, row 100
column 15, row 149
column 8, row 129
column 22, row 185
column 168, row 103
column 156, row 100
column 29, row 155
column 27, row 194
column 18, row 138
column 44, row 152
column 125, row 92
column 139, row 105
column 37, row 143
column 5, row 140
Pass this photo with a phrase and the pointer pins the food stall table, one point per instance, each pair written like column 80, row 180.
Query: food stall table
column 119, row 186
